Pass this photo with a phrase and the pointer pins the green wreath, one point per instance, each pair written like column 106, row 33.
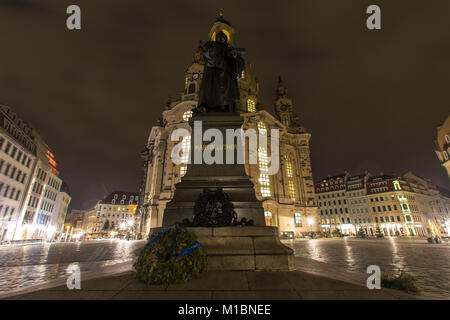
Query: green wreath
column 172, row 256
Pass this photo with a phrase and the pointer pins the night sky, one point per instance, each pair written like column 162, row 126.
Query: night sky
column 371, row 99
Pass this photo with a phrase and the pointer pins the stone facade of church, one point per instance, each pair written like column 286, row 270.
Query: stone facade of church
column 288, row 196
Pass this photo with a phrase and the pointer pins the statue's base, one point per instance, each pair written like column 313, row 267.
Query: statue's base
column 231, row 178
column 245, row 248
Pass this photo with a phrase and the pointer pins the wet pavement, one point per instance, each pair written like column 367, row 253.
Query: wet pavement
column 429, row 262
column 22, row 266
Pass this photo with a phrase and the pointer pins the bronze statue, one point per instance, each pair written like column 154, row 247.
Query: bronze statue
column 224, row 64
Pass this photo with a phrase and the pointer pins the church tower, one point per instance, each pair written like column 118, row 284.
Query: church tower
column 194, row 75
column 284, row 110
column 287, row 196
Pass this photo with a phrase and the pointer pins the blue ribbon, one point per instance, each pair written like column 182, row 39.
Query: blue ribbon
column 189, row 250
column 183, row 253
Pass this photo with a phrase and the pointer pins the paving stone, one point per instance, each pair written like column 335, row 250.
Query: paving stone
column 163, row 295
column 303, row 281
column 69, row 295
column 137, row 285
column 210, row 280
column 266, row 280
column 255, row 295
column 346, row 295
column 109, row 283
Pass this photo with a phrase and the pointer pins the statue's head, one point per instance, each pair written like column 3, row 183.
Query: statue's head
column 221, row 37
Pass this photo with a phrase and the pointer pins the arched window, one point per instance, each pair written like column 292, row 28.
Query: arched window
column 251, row 106
column 191, row 88
column 264, row 179
column 289, row 171
column 187, row 115
column 185, row 150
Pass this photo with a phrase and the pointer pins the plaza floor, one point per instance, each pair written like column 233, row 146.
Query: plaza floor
column 229, row 285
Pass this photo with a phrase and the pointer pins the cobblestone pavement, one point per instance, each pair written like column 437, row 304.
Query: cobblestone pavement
column 430, row 262
column 23, row 266
column 224, row 285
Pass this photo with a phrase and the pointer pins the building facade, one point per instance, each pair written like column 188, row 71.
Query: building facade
column 443, row 144
column 30, row 186
column 405, row 205
column 115, row 214
column 288, row 196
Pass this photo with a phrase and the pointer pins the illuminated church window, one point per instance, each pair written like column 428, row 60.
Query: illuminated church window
column 264, row 179
column 262, row 128
column 291, row 190
column 187, row 115
column 243, row 74
column 251, row 106
column 185, row 150
column 289, row 171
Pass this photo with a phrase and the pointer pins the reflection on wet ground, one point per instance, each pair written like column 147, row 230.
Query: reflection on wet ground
column 430, row 262
column 22, row 266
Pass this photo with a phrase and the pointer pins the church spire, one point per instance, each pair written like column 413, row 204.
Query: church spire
column 282, row 91
column 198, row 55
column 284, row 110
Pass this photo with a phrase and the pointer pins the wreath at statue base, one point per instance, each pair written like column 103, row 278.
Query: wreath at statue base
column 171, row 256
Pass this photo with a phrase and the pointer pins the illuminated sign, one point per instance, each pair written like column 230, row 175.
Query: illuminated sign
column 52, row 163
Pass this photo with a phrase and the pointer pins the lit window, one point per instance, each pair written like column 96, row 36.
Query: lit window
column 263, row 167
column 268, row 217
column 251, row 106
column 187, row 115
column 262, row 128
column 289, row 171
column 298, row 219
column 185, row 150
column 291, row 190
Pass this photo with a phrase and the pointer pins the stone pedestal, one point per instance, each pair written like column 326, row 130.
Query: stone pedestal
column 230, row 177
column 244, row 248
column 228, row 248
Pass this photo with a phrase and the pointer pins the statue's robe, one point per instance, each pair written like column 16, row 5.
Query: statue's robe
column 223, row 67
